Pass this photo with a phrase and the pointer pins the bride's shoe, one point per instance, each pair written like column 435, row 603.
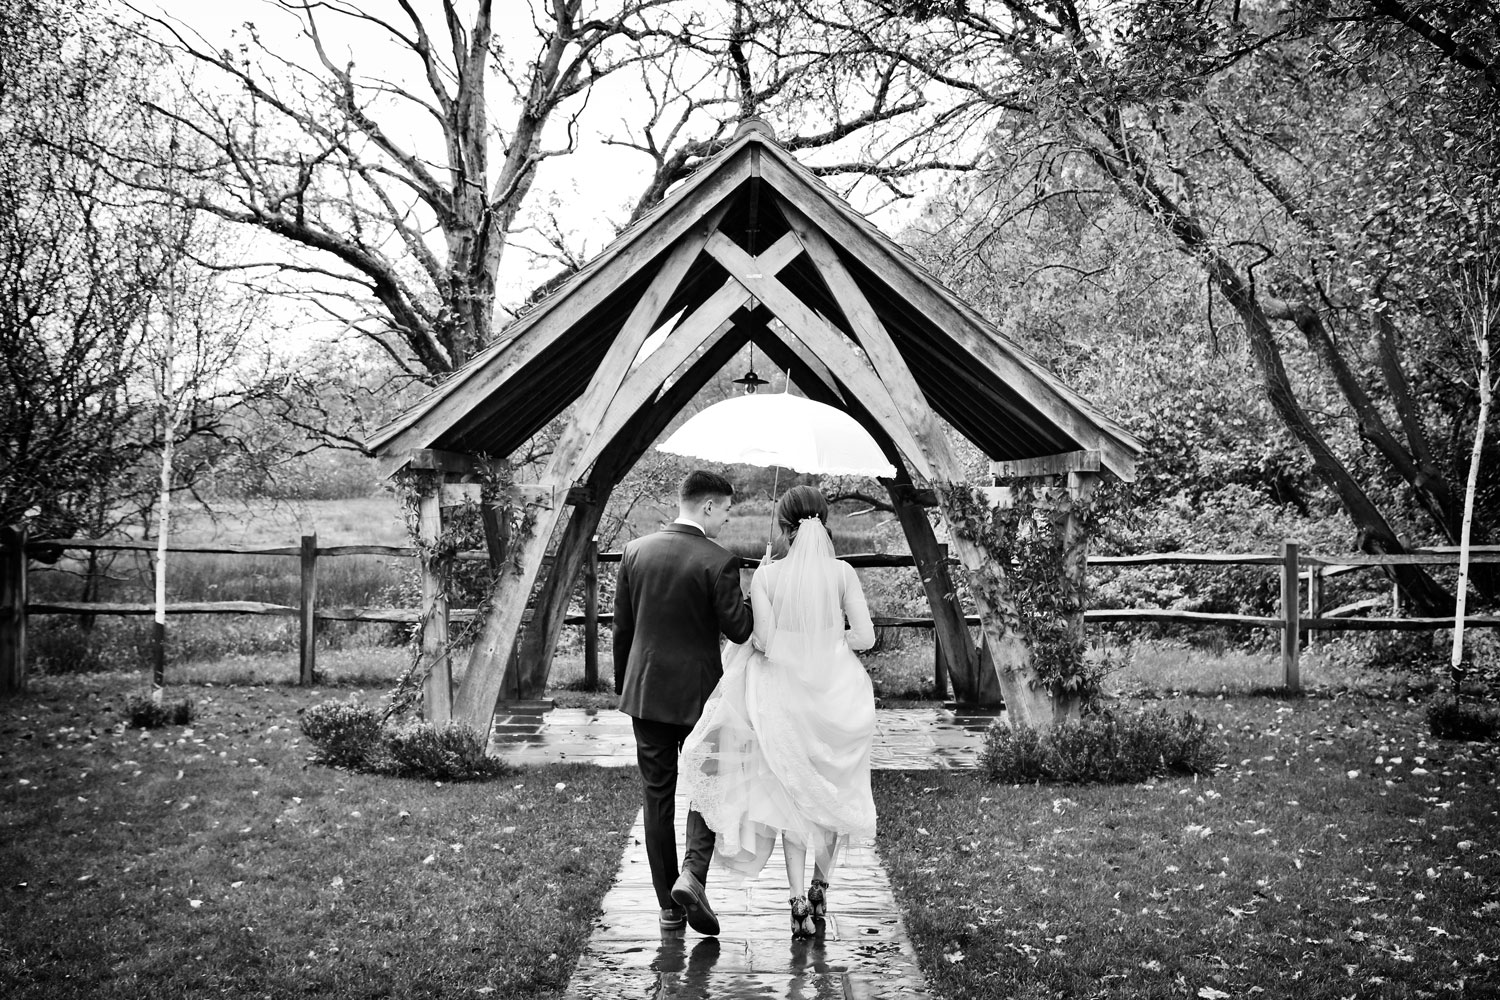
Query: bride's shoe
column 817, row 898
column 802, row 918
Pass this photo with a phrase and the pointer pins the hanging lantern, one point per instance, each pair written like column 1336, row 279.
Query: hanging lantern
column 751, row 381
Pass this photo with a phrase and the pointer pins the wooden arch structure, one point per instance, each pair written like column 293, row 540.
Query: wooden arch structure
column 752, row 249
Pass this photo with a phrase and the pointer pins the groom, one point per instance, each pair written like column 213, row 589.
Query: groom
column 676, row 592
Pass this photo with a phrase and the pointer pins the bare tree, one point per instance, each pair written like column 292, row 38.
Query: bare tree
column 397, row 169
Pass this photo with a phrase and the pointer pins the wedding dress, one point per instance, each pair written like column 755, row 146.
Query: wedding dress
column 783, row 744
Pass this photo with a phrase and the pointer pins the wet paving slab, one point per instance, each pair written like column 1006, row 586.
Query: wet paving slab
column 950, row 736
column 863, row 952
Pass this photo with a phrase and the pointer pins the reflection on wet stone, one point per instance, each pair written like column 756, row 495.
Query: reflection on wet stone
column 905, row 739
column 863, row 951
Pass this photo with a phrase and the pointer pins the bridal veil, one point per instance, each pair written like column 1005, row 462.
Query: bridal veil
column 784, row 741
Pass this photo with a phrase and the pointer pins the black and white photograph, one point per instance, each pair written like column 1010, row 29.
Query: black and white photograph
column 749, row 499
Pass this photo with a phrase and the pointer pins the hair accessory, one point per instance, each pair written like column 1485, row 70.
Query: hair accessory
column 810, row 517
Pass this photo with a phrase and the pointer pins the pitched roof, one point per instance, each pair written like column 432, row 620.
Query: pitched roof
column 971, row 375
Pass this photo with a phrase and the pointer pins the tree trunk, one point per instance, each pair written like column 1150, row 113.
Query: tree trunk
column 1129, row 168
column 1426, row 595
column 1486, row 391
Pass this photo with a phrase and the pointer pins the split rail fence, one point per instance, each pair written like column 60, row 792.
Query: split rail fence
column 1295, row 569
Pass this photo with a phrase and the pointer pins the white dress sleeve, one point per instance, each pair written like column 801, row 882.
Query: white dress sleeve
column 861, row 631
column 760, row 607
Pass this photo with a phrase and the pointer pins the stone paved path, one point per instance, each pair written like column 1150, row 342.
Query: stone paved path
column 864, row 952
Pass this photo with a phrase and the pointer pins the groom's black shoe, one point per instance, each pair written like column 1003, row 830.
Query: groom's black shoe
column 672, row 918
column 688, row 893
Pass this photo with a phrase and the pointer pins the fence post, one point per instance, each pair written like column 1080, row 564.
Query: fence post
column 307, row 617
column 12, row 609
column 1396, row 609
column 1314, row 600
column 591, row 615
column 1290, row 618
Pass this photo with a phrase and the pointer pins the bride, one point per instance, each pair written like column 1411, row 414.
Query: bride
column 783, row 746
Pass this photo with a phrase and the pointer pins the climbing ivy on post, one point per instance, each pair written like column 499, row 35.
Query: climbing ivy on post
column 1033, row 541
column 432, row 644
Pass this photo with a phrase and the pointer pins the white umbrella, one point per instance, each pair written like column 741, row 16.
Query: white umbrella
column 782, row 430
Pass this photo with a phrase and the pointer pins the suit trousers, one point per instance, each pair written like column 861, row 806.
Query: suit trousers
column 657, row 745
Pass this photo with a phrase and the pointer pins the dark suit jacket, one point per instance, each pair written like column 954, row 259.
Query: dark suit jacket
column 676, row 593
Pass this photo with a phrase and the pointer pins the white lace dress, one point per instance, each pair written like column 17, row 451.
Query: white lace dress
column 784, row 741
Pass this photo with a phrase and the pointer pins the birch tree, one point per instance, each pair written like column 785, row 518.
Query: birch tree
column 1478, row 291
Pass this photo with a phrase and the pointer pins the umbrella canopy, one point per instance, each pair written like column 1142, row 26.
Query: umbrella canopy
column 782, row 430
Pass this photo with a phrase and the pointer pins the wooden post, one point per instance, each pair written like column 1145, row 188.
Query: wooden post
column 615, row 393
column 12, row 609
column 957, row 660
column 437, row 696
column 591, row 615
column 939, row 667
column 308, row 616
column 496, row 521
column 1314, row 600
column 1397, row 610
column 1290, row 618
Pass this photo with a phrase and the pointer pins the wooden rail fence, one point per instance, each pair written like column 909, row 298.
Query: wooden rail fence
column 1293, row 567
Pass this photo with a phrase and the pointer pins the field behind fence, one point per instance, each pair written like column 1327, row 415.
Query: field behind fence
column 330, row 586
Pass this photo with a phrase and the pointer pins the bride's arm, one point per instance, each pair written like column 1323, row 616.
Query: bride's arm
column 861, row 631
column 760, row 607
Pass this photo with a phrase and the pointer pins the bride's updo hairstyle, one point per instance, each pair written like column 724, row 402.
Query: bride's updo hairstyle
column 795, row 505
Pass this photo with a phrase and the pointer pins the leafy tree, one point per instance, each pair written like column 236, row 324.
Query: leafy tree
column 77, row 274
column 85, row 266
column 1229, row 126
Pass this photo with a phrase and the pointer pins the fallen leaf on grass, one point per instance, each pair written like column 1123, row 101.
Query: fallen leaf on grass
column 1209, row 993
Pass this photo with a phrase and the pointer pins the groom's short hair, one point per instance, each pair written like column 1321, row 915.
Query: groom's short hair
column 700, row 485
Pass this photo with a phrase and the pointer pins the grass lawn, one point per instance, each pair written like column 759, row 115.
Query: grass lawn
column 213, row 860
column 1343, row 853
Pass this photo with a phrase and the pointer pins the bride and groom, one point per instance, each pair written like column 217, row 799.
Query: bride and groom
column 770, row 735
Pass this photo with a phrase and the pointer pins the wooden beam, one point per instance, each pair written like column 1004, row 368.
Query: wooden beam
column 437, row 460
column 813, row 331
column 557, row 315
column 955, row 645
column 614, row 395
column 830, row 392
column 1064, row 407
column 1007, row 652
column 644, row 317
column 704, row 327
column 815, row 365
column 878, row 346
column 1048, row 465
column 615, row 461
column 780, row 350
column 458, row 494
